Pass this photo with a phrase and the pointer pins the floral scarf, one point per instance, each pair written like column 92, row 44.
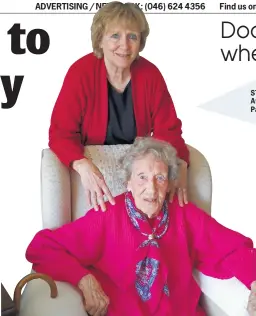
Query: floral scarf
column 151, row 271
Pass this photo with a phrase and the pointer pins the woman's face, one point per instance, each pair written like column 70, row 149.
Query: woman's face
column 120, row 46
column 149, row 184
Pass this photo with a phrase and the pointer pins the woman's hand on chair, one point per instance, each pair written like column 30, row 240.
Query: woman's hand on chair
column 252, row 300
column 95, row 300
column 94, row 184
column 179, row 186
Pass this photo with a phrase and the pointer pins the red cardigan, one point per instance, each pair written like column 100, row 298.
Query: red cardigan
column 80, row 114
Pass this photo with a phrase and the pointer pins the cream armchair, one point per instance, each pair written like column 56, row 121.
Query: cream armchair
column 63, row 201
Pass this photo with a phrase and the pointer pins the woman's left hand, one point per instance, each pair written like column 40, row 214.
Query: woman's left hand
column 180, row 185
column 251, row 308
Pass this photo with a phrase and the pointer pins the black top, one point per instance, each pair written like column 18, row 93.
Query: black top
column 121, row 121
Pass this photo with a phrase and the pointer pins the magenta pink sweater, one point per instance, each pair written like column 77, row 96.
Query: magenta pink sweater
column 104, row 244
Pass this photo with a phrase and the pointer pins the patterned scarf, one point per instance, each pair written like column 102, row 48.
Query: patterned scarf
column 151, row 271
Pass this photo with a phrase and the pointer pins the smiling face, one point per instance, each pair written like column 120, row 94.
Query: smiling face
column 149, row 184
column 120, row 45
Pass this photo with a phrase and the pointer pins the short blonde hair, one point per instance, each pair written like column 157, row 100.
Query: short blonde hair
column 115, row 11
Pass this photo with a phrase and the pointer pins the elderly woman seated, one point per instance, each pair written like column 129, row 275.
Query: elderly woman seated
column 137, row 258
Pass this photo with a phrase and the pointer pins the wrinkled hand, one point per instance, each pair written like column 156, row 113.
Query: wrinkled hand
column 94, row 184
column 179, row 186
column 95, row 300
column 251, row 308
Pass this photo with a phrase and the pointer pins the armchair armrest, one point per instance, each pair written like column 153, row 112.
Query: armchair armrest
column 230, row 296
column 36, row 300
column 55, row 191
column 199, row 180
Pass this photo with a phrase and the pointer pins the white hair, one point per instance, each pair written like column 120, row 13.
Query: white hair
column 143, row 146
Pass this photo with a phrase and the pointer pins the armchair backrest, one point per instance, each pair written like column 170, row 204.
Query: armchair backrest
column 62, row 196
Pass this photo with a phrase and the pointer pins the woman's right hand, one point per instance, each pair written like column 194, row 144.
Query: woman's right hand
column 95, row 300
column 94, row 184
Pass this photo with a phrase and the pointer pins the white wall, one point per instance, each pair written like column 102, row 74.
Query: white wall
column 187, row 50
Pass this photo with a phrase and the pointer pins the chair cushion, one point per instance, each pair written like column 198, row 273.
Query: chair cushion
column 106, row 158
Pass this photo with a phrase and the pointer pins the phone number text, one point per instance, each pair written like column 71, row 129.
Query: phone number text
column 172, row 6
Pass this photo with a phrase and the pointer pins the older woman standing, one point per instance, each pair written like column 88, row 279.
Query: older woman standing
column 137, row 259
column 110, row 97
